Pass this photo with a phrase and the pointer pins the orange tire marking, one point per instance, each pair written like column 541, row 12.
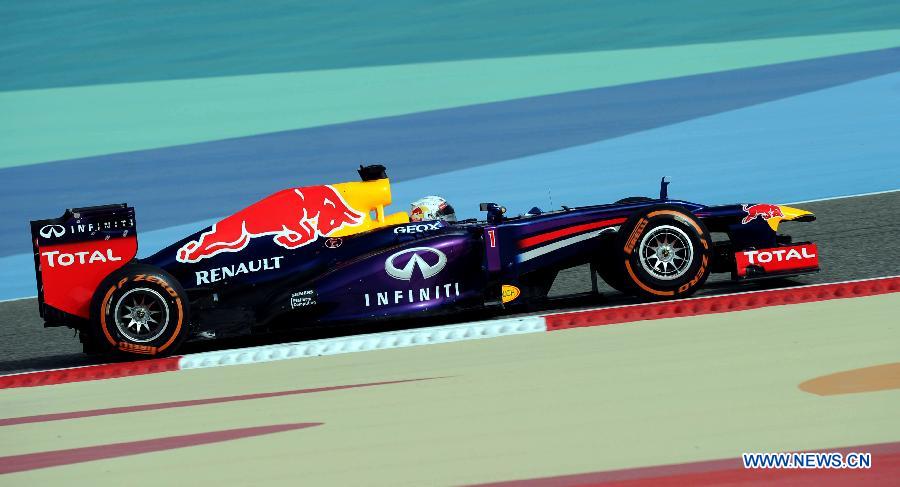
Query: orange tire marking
column 125, row 346
column 177, row 326
column 635, row 234
column 644, row 286
column 134, row 348
column 684, row 287
column 103, row 316
column 679, row 216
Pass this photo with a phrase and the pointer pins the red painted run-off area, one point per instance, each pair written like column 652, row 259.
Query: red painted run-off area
column 90, row 372
column 731, row 472
column 596, row 317
column 34, row 461
column 722, row 304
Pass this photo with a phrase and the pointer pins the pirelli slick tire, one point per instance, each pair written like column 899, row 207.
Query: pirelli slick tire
column 664, row 253
column 138, row 310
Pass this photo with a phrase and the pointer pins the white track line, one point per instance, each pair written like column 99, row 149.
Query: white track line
column 844, row 197
column 362, row 343
column 16, row 299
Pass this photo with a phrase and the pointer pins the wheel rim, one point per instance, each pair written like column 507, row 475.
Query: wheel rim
column 142, row 315
column 666, row 252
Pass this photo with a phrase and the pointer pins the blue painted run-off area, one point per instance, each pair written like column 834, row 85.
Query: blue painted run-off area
column 838, row 141
column 182, row 184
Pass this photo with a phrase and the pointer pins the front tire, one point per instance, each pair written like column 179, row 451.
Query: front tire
column 139, row 310
column 664, row 253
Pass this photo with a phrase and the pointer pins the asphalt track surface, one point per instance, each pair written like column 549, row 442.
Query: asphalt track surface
column 857, row 237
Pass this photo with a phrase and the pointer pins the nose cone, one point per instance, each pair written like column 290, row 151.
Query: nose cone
column 789, row 213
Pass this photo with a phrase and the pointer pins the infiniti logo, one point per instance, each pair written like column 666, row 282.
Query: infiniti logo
column 48, row 231
column 416, row 261
column 402, row 266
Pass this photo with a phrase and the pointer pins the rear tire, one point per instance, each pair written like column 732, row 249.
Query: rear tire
column 138, row 310
column 664, row 252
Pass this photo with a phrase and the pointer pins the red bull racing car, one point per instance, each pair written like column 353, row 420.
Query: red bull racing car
column 325, row 255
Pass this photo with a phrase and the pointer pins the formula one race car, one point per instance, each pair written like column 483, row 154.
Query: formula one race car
column 324, row 255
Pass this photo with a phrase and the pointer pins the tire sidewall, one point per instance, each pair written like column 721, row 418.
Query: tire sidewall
column 644, row 283
column 114, row 287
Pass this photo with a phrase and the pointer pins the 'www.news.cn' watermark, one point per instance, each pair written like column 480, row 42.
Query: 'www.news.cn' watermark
column 807, row 460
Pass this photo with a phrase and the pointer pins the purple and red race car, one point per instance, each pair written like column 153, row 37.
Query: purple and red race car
column 323, row 255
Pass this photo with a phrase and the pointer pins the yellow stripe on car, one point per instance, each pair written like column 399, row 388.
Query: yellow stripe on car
column 789, row 213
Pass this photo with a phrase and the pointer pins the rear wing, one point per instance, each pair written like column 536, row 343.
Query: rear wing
column 75, row 252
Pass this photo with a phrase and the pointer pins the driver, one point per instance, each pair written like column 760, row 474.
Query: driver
column 431, row 208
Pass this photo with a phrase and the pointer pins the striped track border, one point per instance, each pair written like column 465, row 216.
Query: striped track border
column 463, row 332
column 722, row 304
column 90, row 372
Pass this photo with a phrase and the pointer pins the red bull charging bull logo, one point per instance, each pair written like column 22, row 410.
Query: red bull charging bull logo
column 293, row 217
column 763, row 210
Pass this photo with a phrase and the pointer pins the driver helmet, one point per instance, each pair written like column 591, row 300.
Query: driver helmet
column 431, row 208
